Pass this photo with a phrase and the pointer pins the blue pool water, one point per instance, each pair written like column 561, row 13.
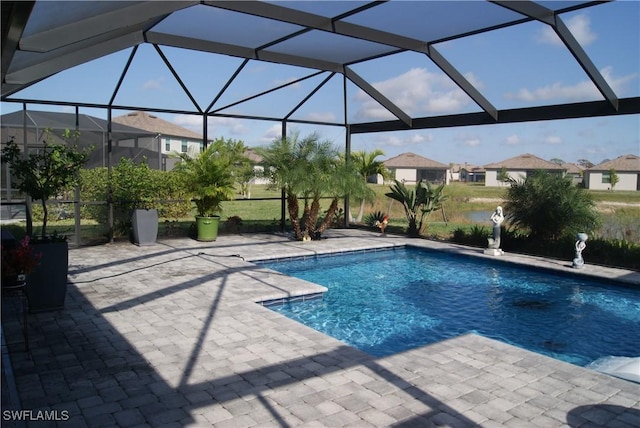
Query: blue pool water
column 390, row 301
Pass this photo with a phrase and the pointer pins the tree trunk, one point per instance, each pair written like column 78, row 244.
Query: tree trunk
column 292, row 204
column 45, row 215
column 312, row 220
column 360, row 212
column 329, row 217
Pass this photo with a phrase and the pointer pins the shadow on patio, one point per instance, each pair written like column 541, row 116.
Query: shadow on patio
column 173, row 336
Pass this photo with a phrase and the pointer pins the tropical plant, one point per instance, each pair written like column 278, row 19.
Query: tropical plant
column 209, row 174
column 613, row 178
column 417, row 203
column 309, row 169
column 549, row 207
column 47, row 172
column 374, row 218
column 503, row 175
column 367, row 165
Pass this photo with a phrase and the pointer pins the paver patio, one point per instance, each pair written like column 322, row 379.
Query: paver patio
column 170, row 335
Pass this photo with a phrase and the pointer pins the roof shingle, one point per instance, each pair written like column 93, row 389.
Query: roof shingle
column 149, row 122
column 629, row 163
column 526, row 161
column 412, row 160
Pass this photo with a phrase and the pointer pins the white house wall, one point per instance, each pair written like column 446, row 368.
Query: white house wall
column 175, row 145
column 628, row 181
column 491, row 177
column 406, row 175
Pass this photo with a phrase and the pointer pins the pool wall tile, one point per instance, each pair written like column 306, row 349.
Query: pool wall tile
column 293, row 299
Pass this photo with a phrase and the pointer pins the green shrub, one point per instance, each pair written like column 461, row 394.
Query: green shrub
column 372, row 218
column 549, row 207
column 133, row 186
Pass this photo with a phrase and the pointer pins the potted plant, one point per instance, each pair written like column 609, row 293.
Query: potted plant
column 42, row 175
column 209, row 177
column 134, row 189
column 18, row 261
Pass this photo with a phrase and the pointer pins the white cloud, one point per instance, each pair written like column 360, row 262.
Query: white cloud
column 417, row 92
column 584, row 90
column 580, row 27
column 512, row 140
column 153, row 83
column 189, row 121
column 471, row 142
column 217, row 126
column 618, row 84
column 404, row 141
column 580, row 91
column 418, row 138
column 271, row 134
column 280, row 82
column 553, row 139
column 322, row 117
column 234, row 126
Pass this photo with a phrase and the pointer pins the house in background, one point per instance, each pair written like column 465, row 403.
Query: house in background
column 258, row 167
column 627, row 169
column 126, row 141
column 472, row 174
column 575, row 172
column 518, row 168
column 169, row 136
column 411, row 168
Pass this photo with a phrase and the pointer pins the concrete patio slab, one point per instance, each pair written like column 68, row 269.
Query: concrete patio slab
column 171, row 335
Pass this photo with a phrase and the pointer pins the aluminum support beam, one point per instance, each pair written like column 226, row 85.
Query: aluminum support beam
column 548, row 17
column 145, row 13
column 376, row 95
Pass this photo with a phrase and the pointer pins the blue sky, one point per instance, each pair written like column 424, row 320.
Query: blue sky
column 513, row 67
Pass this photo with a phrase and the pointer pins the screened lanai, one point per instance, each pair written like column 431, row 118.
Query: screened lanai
column 356, row 68
column 336, row 47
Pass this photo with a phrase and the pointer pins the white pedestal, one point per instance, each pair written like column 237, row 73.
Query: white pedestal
column 494, row 252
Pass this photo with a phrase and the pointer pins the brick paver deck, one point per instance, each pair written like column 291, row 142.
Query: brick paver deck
column 170, row 335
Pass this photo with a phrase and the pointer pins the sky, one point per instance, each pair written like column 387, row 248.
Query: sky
column 520, row 66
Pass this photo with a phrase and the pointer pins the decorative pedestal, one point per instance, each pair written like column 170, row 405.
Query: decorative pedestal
column 493, row 252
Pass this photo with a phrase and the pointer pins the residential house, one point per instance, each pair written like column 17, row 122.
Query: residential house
column 518, row 167
column 170, row 137
column 575, row 172
column 411, row 168
column 472, row 174
column 258, row 167
column 126, row 141
column 626, row 167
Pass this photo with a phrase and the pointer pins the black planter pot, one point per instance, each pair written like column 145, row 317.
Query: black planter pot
column 47, row 284
column 145, row 226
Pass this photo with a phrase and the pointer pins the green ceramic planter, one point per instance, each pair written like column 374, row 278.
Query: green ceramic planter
column 207, row 228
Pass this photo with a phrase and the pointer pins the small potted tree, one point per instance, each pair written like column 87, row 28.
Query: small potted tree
column 43, row 175
column 209, row 178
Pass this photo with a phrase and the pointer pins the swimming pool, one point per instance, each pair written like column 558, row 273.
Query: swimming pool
column 389, row 301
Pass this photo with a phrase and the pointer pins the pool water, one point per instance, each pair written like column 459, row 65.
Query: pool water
column 386, row 302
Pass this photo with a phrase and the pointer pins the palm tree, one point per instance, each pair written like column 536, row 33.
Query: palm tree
column 550, row 207
column 309, row 169
column 210, row 174
column 417, row 203
column 367, row 165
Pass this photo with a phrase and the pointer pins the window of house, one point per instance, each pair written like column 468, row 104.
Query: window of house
column 167, row 145
column 184, row 146
column 606, row 177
